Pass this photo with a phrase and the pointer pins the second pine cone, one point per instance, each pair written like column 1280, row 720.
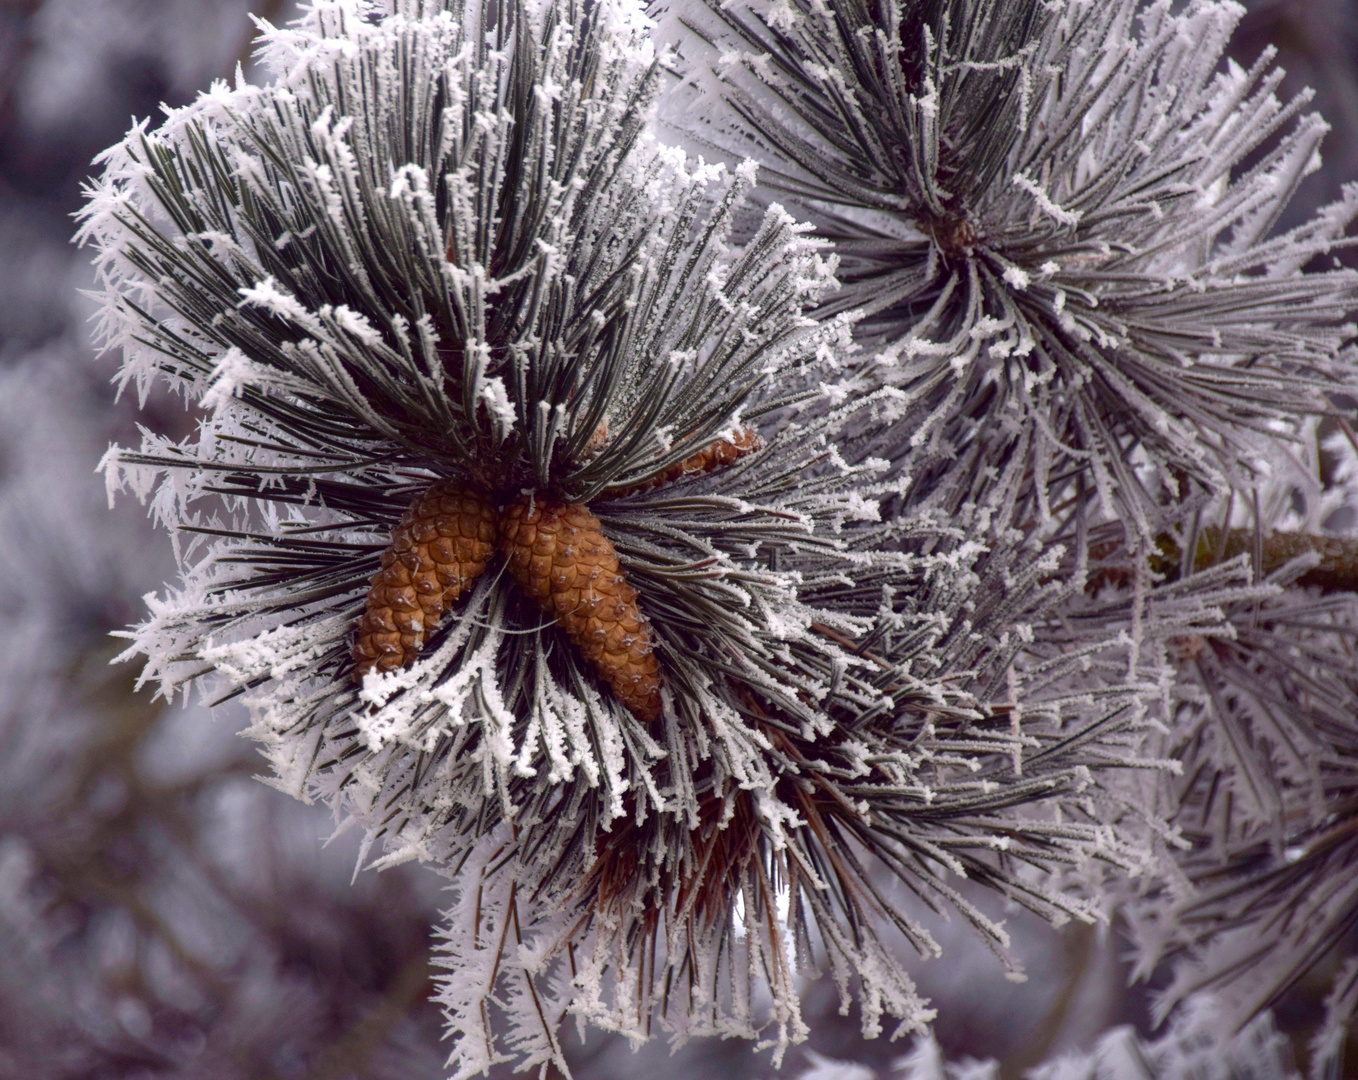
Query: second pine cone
column 560, row 555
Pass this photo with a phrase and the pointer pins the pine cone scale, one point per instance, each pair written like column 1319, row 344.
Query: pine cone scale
column 438, row 550
column 560, row 555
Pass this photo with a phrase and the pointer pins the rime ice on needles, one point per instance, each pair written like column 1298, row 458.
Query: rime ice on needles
column 1267, row 735
column 1259, row 708
column 440, row 248
column 1059, row 219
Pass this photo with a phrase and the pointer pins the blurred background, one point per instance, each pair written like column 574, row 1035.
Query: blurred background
column 163, row 913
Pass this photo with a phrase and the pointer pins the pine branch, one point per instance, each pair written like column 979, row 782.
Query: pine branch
column 1335, row 558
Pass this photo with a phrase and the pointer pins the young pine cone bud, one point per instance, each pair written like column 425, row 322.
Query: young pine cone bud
column 560, row 555
column 718, row 455
column 438, row 549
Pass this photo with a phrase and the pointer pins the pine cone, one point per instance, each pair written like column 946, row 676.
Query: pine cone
column 560, row 555
column 719, row 454
column 439, row 548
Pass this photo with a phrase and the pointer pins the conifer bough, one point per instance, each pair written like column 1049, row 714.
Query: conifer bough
column 1058, row 220
column 444, row 301
column 1335, row 558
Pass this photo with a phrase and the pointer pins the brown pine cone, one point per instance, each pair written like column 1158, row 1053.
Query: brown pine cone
column 560, row 555
column 438, row 549
column 718, row 455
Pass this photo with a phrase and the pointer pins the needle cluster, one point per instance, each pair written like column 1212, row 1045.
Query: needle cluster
column 712, row 567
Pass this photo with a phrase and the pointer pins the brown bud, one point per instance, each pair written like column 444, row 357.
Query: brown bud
column 718, row 455
column 558, row 552
column 438, row 549
column 598, row 439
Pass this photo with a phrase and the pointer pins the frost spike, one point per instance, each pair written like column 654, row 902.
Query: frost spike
column 560, row 555
column 438, row 549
